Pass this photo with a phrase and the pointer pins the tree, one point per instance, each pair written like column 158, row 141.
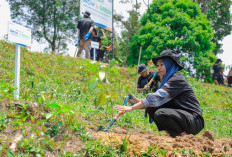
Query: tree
column 129, row 27
column 218, row 12
column 178, row 25
column 52, row 20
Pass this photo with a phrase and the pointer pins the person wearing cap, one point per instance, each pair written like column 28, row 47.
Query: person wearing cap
column 85, row 28
column 174, row 106
column 145, row 77
column 218, row 77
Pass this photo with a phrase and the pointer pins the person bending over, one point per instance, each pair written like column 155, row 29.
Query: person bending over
column 174, row 106
column 145, row 78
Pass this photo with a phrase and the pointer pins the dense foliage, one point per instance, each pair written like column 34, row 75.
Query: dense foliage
column 51, row 20
column 179, row 25
column 218, row 13
column 130, row 27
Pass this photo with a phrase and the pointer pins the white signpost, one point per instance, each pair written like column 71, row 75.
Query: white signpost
column 101, row 12
column 21, row 36
column 94, row 45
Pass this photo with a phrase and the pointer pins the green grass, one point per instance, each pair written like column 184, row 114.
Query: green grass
column 72, row 99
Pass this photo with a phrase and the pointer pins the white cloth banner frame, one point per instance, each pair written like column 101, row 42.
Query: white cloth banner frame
column 101, row 12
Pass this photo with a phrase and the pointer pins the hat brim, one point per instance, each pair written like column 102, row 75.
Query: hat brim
column 85, row 14
column 144, row 70
column 154, row 60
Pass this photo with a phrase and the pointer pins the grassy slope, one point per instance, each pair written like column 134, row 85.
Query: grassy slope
column 71, row 83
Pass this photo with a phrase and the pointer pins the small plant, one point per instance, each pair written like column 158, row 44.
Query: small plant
column 60, row 109
column 154, row 151
column 35, row 147
column 81, row 133
column 3, row 121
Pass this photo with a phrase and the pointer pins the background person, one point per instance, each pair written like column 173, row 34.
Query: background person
column 85, row 28
column 218, row 77
column 98, row 39
column 230, row 77
column 145, row 77
column 174, row 106
column 216, row 67
column 101, row 52
column 154, row 78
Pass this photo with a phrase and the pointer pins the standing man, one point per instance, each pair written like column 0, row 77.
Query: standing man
column 218, row 77
column 85, row 28
column 216, row 67
column 145, row 77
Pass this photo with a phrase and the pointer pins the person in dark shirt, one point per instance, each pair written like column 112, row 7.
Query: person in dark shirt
column 174, row 106
column 216, row 67
column 218, row 77
column 85, row 28
column 101, row 52
column 145, row 77
column 98, row 39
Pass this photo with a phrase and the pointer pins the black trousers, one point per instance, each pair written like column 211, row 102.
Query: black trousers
column 230, row 81
column 176, row 121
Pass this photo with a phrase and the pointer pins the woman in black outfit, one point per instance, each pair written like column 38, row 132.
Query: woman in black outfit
column 174, row 106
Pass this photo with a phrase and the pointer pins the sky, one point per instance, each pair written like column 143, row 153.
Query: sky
column 119, row 9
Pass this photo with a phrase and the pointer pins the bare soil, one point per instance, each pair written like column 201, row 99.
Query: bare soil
column 137, row 142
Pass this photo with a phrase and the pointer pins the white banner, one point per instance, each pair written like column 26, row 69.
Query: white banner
column 19, row 35
column 101, row 12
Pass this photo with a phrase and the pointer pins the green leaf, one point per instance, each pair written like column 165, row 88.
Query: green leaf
column 10, row 154
column 54, row 105
column 59, row 124
column 93, row 84
column 66, row 109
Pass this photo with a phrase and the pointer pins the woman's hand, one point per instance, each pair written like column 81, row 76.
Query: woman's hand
column 123, row 109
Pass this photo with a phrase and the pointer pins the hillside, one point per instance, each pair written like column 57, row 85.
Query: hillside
column 63, row 102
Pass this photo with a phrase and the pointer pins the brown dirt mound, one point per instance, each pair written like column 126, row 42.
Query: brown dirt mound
column 141, row 142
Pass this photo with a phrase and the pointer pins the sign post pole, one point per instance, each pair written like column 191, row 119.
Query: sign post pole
column 21, row 36
column 94, row 54
column 17, row 72
column 138, row 68
column 113, row 28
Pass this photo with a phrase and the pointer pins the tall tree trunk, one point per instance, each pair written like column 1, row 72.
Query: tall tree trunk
column 53, row 46
column 127, row 48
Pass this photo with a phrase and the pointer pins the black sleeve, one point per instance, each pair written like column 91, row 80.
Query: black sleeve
column 78, row 24
column 139, row 83
column 176, row 85
column 157, row 79
column 216, row 67
column 92, row 24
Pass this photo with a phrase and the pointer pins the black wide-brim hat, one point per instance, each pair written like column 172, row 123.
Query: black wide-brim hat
column 142, row 68
column 171, row 54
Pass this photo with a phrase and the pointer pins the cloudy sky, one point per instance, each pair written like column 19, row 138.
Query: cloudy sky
column 120, row 9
